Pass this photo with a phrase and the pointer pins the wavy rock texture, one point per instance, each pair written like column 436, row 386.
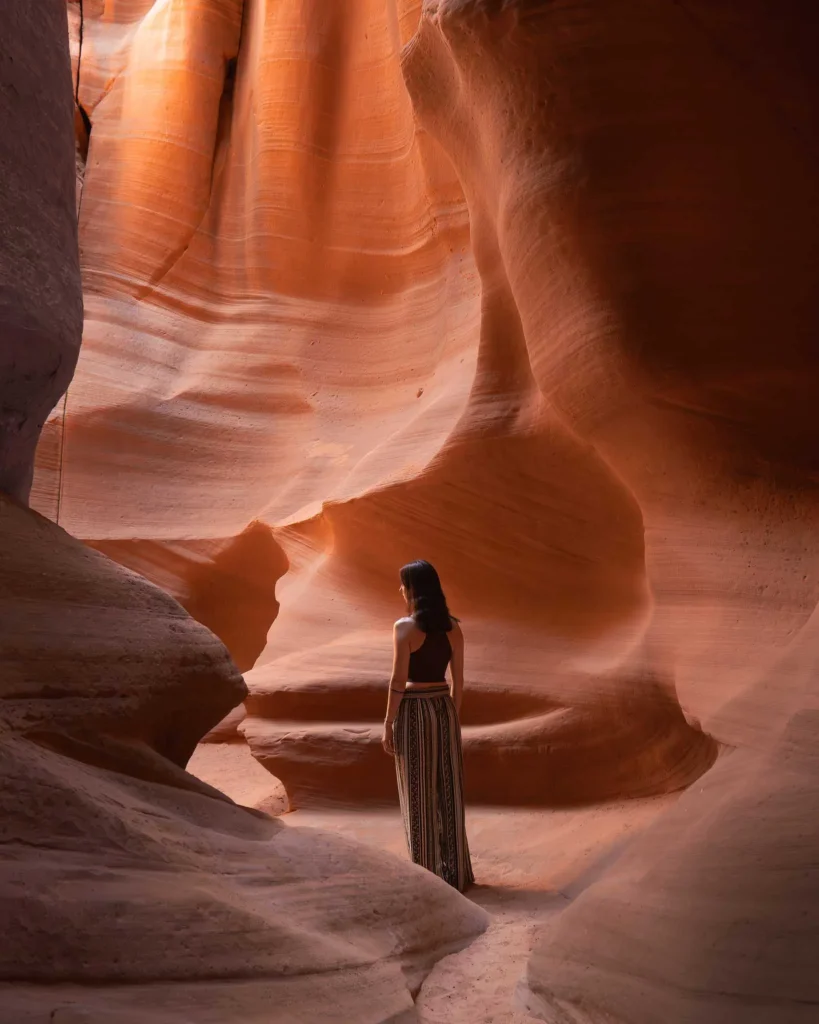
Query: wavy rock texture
column 293, row 371
column 131, row 890
column 546, row 314
column 642, row 178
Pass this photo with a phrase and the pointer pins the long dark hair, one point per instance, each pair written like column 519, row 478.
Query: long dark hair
column 426, row 597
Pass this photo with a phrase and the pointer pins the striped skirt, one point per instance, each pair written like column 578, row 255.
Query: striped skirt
column 429, row 765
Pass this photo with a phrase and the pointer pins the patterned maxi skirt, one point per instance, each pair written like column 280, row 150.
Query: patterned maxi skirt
column 429, row 765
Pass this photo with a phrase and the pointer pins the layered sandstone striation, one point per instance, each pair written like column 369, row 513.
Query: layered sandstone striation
column 642, row 181
column 530, row 290
column 130, row 890
column 295, row 378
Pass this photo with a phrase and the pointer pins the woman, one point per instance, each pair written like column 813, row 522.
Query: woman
column 422, row 730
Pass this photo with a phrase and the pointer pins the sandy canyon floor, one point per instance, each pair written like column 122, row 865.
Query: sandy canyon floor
column 528, row 865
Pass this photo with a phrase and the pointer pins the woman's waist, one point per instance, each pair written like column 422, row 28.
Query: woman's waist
column 425, row 689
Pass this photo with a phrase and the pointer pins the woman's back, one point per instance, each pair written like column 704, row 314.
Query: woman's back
column 429, row 662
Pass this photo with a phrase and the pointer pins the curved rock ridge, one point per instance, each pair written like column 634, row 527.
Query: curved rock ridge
column 518, row 749
column 130, row 890
column 652, row 200
column 711, row 911
column 633, row 326
column 526, row 288
column 711, row 914
column 286, row 330
column 229, row 584
column 275, row 301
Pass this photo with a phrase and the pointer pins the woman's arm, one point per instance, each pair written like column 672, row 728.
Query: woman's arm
column 456, row 666
column 398, row 679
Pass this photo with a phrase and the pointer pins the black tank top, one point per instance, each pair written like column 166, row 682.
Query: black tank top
column 428, row 664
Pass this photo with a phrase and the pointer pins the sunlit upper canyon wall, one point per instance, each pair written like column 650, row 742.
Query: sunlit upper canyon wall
column 295, row 377
column 529, row 289
column 129, row 889
column 643, row 187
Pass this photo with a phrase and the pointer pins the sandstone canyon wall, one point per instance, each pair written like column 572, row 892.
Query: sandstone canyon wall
column 129, row 890
column 528, row 289
column 643, row 185
column 294, row 379
column 40, row 296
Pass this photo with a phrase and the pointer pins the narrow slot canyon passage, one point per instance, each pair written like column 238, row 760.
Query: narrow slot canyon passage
column 529, row 865
column 296, row 292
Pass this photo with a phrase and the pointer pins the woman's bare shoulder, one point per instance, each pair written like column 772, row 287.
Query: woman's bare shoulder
column 403, row 627
column 456, row 633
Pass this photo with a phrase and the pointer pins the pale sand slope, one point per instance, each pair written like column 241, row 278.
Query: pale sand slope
column 529, row 865
column 231, row 768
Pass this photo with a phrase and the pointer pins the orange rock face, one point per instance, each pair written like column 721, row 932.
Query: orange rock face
column 526, row 288
column 294, row 371
column 119, row 869
column 643, row 183
column 130, row 890
column 530, row 290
